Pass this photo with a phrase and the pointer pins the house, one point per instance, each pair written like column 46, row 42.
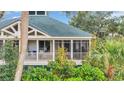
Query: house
column 45, row 36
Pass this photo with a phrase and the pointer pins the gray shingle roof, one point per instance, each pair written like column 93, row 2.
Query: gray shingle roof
column 50, row 26
column 7, row 22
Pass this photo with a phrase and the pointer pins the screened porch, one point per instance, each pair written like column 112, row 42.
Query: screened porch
column 41, row 51
column 47, row 49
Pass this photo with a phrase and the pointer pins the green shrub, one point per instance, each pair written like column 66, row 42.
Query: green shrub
column 62, row 66
column 10, row 55
column 7, row 72
column 74, row 79
column 10, row 52
column 88, row 72
column 38, row 74
column 119, row 74
column 109, row 51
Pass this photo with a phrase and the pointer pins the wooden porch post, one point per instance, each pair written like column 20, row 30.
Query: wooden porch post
column 53, row 50
column 72, row 49
column 37, row 49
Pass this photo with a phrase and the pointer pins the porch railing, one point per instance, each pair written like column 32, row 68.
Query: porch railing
column 79, row 55
column 41, row 55
column 49, row 55
column 45, row 55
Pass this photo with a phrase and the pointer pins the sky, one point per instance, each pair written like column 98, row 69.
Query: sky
column 54, row 14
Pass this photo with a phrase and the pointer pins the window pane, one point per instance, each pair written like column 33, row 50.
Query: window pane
column 31, row 12
column 40, row 12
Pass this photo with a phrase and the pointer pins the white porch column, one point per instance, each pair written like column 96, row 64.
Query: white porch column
column 72, row 49
column 89, row 47
column 53, row 50
column 62, row 44
column 4, row 41
column 2, row 33
column 37, row 55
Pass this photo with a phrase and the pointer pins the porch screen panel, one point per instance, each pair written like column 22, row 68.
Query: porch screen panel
column 45, row 52
column 31, row 50
column 58, row 44
column 76, row 49
column 80, row 49
column 66, row 44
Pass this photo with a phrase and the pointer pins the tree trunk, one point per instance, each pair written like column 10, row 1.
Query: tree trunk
column 23, row 46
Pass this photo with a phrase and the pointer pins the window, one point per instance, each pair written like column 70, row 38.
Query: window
column 31, row 12
column 40, row 12
column 37, row 13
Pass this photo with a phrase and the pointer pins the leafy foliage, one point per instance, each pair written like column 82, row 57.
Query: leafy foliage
column 109, row 56
column 91, row 21
column 38, row 74
column 10, row 55
column 100, row 23
column 62, row 67
column 121, row 26
column 91, row 73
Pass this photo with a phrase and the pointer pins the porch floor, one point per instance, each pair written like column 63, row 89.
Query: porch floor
column 40, row 62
